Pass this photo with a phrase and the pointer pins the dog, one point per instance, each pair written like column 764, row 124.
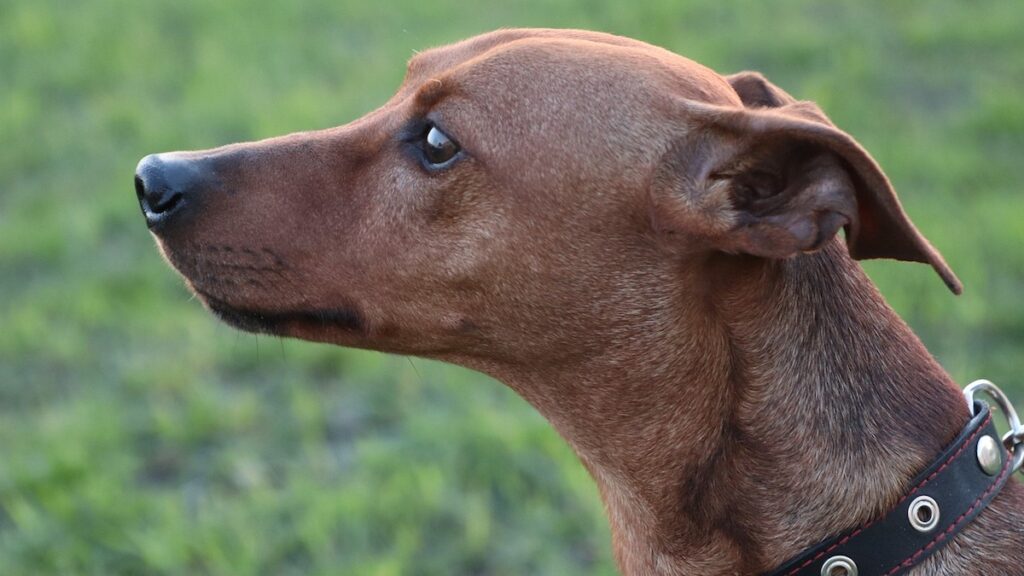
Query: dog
column 645, row 250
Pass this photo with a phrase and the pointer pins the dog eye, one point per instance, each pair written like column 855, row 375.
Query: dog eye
column 438, row 147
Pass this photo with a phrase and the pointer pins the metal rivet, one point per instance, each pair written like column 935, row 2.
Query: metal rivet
column 839, row 566
column 990, row 458
column 924, row 514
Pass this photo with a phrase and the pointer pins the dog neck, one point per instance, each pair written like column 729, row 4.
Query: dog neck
column 764, row 406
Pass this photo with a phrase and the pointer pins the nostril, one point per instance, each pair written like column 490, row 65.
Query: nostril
column 166, row 201
column 140, row 188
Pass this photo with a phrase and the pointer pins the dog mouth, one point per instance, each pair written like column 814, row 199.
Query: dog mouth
column 231, row 279
column 284, row 322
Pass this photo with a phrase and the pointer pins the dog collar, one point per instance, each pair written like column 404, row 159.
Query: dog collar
column 942, row 499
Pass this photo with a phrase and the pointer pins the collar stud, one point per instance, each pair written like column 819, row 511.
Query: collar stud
column 990, row 458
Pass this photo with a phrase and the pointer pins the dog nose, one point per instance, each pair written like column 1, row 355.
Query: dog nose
column 164, row 184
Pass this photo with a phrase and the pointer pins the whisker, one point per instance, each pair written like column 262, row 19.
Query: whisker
column 416, row 370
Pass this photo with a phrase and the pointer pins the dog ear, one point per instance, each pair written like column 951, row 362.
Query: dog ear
column 777, row 179
column 757, row 92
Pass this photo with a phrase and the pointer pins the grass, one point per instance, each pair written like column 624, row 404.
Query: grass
column 138, row 436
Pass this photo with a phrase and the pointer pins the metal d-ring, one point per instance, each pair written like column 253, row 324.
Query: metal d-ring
column 1015, row 437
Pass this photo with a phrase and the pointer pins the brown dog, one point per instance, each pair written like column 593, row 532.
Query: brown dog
column 645, row 250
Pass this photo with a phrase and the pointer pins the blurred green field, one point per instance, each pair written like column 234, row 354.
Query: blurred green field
column 138, row 436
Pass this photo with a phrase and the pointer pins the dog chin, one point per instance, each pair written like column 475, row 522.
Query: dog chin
column 245, row 320
column 284, row 323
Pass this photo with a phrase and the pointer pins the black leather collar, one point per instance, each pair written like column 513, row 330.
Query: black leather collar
column 955, row 488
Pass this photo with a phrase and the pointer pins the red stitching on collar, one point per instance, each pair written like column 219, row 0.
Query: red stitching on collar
column 942, row 536
column 930, row 477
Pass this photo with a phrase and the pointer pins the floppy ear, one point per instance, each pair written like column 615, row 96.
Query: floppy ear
column 776, row 179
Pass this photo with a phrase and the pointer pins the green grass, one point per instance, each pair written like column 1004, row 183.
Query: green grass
column 138, row 436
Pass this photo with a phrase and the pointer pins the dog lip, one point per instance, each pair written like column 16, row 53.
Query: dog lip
column 275, row 322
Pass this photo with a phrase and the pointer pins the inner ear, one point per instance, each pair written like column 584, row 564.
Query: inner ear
column 769, row 174
column 758, row 185
column 789, row 198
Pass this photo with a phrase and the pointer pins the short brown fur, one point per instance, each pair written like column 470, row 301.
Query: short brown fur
column 647, row 252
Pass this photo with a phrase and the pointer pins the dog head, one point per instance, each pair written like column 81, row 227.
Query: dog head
column 517, row 189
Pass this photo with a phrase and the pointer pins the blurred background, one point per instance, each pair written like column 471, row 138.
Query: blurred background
column 138, row 436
